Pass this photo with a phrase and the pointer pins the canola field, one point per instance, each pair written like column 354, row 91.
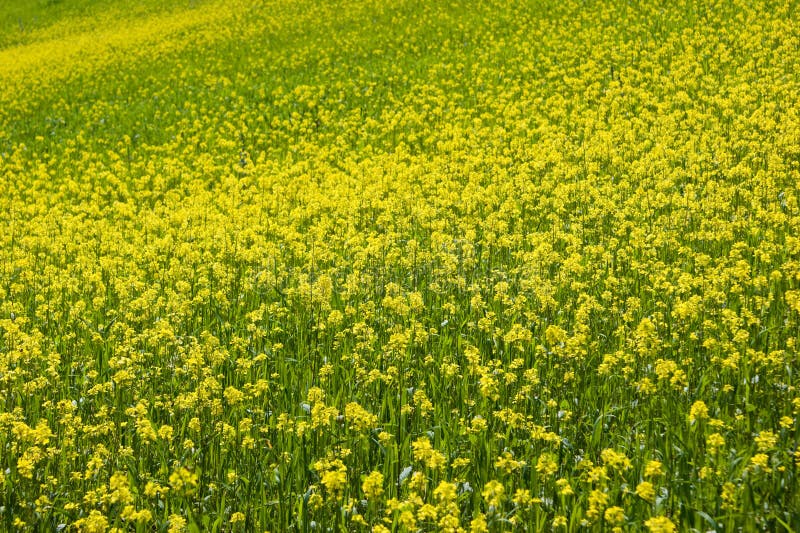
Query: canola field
column 356, row 265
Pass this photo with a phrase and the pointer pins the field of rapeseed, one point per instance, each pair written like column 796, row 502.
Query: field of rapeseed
column 356, row 265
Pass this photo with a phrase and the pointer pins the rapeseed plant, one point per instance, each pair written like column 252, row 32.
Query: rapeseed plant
column 397, row 267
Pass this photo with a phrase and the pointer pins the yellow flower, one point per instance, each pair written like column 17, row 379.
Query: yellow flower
column 315, row 501
column 165, row 432
column 130, row 514
column 597, row 502
column 507, row 463
column 426, row 512
column 564, row 488
column 25, row 467
column 714, row 442
column 335, row 480
column 478, row 524
column 653, row 469
column 522, row 498
column 760, row 461
column 418, row 482
column 407, row 520
column 315, row 395
column 615, row 460
column 646, row 491
column 359, row 418
column 460, row 462
column 333, row 475
column 728, row 496
column 424, row 452
column 96, row 522
column 547, row 464
column 445, row 492
column 698, row 411
column 494, row 494
column 373, row 485
column 614, row 515
column 153, row 489
column 118, row 485
column 183, row 481
column 766, row 440
column 660, row 524
column 177, row 523
column 385, row 438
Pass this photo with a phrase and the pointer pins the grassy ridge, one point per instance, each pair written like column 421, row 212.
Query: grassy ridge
column 359, row 265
